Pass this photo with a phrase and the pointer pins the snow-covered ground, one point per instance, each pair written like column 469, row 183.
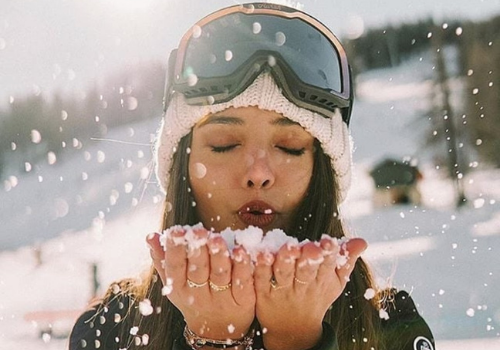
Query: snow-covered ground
column 57, row 221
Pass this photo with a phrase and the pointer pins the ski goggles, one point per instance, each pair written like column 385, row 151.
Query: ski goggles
column 222, row 54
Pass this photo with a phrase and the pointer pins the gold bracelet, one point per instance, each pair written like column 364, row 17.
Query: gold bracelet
column 196, row 342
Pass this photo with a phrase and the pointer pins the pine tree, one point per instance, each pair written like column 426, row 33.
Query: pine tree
column 446, row 114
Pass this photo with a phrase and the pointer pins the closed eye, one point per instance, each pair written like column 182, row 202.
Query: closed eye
column 292, row 151
column 222, row 149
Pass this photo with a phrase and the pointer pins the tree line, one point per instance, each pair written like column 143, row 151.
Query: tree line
column 480, row 58
column 37, row 128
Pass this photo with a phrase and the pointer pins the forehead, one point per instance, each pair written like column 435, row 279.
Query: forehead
column 246, row 115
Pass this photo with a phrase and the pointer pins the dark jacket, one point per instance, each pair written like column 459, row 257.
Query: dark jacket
column 101, row 328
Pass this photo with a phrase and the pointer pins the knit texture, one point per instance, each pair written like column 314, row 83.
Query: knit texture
column 263, row 93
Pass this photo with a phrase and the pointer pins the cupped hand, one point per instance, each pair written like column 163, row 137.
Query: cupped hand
column 305, row 281
column 214, row 292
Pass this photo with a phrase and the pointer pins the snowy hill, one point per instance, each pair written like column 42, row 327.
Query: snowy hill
column 102, row 180
column 98, row 207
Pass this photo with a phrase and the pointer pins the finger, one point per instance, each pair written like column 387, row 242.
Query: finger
column 284, row 265
column 354, row 247
column 242, row 277
column 198, row 259
column 263, row 272
column 157, row 254
column 330, row 248
column 220, row 263
column 176, row 258
column 307, row 265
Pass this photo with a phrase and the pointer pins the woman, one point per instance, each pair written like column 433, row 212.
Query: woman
column 258, row 101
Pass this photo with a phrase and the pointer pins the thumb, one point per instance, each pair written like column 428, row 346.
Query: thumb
column 157, row 254
column 353, row 249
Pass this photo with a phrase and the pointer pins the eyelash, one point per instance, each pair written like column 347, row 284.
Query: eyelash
column 223, row 149
column 290, row 151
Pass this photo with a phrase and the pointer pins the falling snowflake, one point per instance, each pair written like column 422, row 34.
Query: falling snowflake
column 145, row 307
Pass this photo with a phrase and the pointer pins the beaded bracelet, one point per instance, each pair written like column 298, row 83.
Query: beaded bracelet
column 196, row 342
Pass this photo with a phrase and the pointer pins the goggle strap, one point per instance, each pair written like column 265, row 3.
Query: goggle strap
column 169, row 79
column 346, row 112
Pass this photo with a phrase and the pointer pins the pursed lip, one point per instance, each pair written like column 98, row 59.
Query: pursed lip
column 257, row 213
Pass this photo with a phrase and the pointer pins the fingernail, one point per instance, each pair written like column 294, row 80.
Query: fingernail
column 302, row 264
column 238, row 256
column 316, row 261
column 175, row 235
column 214, row 249
column 216, row 244
column 265, row 258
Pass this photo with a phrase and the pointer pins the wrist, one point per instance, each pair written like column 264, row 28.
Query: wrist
column 197, row 342
column 220, row 328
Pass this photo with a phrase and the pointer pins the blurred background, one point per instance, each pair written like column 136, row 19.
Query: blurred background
column 81, row 87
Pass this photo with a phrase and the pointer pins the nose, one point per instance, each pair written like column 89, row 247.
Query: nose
column 259, row 174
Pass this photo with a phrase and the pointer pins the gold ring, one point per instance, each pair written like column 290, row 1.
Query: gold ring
column 274, row 284
column 217, row 288
column 192, row 284
column 299, row 281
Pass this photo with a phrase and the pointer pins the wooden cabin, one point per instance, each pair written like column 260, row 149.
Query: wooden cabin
column 396, row 182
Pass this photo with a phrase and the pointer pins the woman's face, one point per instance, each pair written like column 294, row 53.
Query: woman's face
column 249, row 166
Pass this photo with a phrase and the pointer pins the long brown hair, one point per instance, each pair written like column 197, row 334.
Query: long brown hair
column 354, row 318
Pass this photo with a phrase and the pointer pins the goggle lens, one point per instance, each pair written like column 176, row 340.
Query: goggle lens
column 222, row 46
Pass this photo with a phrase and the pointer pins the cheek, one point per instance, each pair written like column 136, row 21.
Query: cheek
column 296, row 179
column 297, row 190
column 203, row 196
column 296, row 170
column 212, row 171
column 208, row 181
column 197, row 170
column 212, row 198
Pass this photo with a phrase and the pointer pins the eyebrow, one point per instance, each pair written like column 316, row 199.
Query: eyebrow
column 221, row 119
column 282, row 121
column 229, row 120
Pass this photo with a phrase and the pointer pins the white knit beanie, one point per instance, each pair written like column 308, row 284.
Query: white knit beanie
column 263, row 93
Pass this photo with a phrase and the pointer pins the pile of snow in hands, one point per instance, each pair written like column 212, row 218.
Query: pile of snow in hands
column 253, row 240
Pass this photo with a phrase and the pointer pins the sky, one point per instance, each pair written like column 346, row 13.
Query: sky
column 66, row 45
